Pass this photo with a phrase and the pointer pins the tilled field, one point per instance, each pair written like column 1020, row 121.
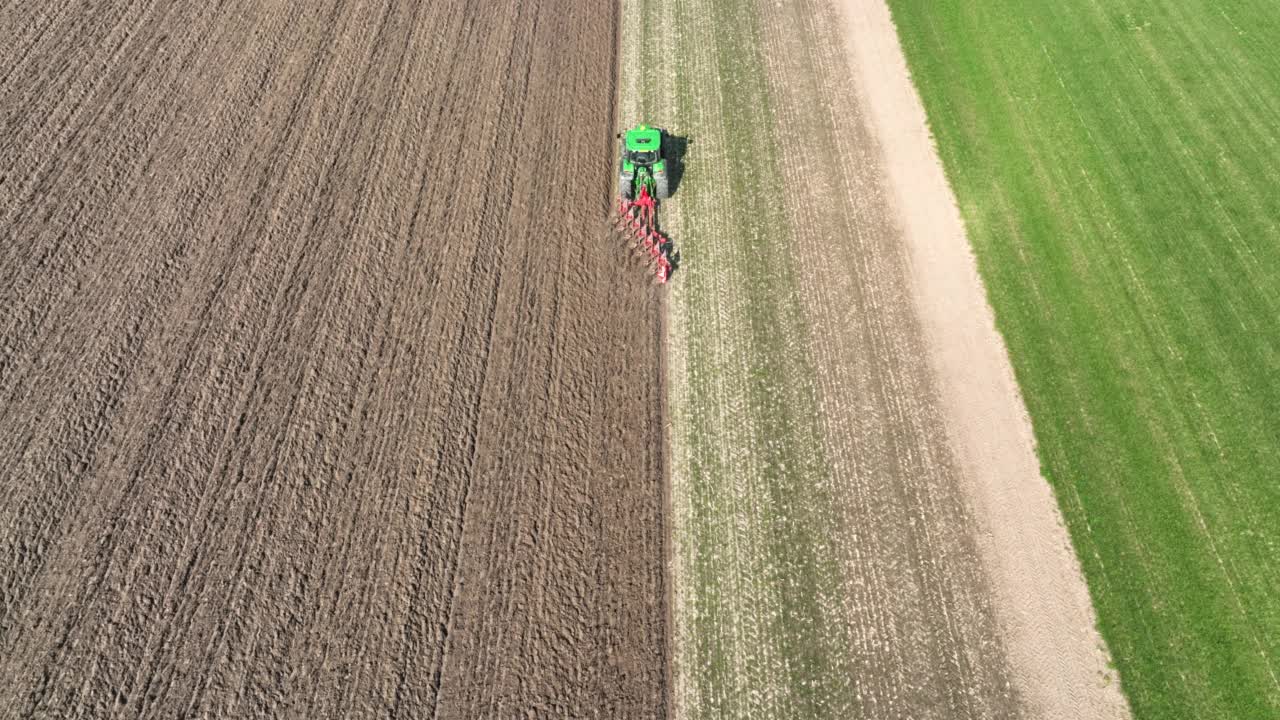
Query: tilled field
column 321, row 393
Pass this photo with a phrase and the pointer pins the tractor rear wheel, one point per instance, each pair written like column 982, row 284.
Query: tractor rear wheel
column 660, row 186
column 626, row 188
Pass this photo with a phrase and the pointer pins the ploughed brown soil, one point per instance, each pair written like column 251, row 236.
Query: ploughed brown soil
column 322, row 393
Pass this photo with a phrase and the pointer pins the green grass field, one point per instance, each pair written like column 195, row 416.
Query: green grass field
column 1118, row 167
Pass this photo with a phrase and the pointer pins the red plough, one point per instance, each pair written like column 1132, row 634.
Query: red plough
column 637, row 221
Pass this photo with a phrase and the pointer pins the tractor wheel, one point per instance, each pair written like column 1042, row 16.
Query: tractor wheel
column 660, row 186
column 626, row 189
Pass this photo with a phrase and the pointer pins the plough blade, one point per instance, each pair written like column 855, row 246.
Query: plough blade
column 637, row 220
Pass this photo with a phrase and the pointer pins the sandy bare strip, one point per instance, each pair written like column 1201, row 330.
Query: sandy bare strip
column 1042, row 605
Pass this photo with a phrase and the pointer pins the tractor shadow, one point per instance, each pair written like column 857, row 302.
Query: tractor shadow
column 673, row 257
column 674, row 148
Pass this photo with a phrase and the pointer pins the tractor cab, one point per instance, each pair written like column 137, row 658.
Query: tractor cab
column 643, row 146
column 643, row 158
column 643, row 163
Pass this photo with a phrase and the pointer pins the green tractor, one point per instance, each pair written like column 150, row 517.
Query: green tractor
column 644, row 166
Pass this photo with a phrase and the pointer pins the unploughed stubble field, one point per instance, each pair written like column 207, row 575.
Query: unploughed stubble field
column 1116, row 163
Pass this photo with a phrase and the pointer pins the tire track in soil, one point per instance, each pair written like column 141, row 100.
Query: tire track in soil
column 324, row 392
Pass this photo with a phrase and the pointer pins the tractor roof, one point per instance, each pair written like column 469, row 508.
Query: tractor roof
column 643, row 138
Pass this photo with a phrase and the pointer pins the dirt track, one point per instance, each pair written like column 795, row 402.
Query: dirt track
column 320, row 394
